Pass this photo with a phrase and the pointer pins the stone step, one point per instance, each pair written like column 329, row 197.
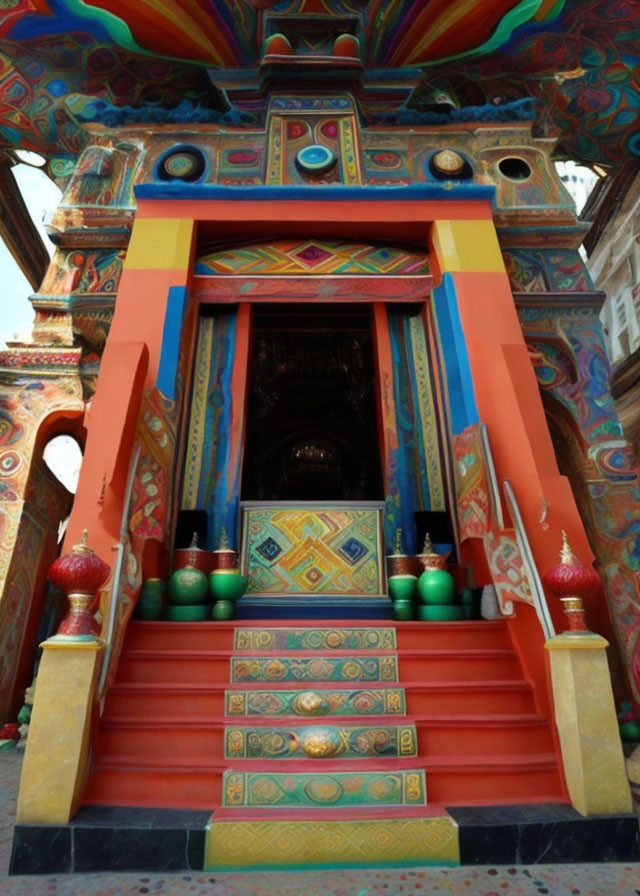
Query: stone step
column 334, row 638
column 320, row 742
column 342, row 702
column 324, row 791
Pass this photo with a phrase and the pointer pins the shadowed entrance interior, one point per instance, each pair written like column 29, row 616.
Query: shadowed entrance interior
column 312, row 429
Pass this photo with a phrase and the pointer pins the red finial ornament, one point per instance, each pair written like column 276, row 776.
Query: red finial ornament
column 571, row 580
column 79, row 573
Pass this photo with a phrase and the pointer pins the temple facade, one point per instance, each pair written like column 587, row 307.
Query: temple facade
column 318, row 318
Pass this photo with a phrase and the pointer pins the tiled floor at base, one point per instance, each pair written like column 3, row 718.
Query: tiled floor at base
column 538, row 880
column 556, row 880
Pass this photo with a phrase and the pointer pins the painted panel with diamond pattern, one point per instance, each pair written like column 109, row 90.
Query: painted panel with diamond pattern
column 375, row 702
column 305, row 550
column 326, row 742
column 326, row 668
column 299, row 257
column 249, row 789
column 314, row 639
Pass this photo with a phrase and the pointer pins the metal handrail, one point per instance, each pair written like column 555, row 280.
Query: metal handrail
column 537, row 591
column 114, row 595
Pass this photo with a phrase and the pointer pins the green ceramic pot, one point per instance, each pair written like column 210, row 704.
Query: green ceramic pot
column 223, row 609
column 188, row 586
column 440, row 613
column 402, row 587
column 403, row 610
column 630, row 732
column 227, row 584
column 187, row 613
column 151, row 600
column 436, row 586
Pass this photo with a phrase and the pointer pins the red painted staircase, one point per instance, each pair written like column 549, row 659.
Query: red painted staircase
column 478, row 736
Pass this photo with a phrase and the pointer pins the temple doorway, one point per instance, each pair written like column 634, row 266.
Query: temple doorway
column 312, row 423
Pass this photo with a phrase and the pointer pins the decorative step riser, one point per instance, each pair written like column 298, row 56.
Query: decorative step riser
column 272, row 844
column 328, row 742
column 208, row 743
column 198, row 789
column 324, row 791
column 386, row 669
column 414, row 635
column 310, row 669
column 269, row 704
column 315, row 639
column 204, row 706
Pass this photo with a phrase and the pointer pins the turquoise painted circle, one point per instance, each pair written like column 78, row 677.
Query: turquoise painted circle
column 315, row 158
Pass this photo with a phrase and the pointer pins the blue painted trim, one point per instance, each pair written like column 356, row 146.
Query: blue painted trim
column 374, row 193
column 168, row 367
column 462, row 399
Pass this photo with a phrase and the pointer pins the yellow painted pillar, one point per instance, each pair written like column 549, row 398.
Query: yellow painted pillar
column 56, row 760
column 588, row 726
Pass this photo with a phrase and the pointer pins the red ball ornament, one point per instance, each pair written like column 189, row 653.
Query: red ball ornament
column 79, row 573
column 570, row 580
column 79, row 570
column 346, row 46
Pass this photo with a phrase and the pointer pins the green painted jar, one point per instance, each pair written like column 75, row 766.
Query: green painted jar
column 436, row 586
column 402, row 587
column 151, row 601
column 222, row 610
column 403, row 610
column 188, row 586
column 630, row 732
column 440, row 613
column 227, row 584
column 187, row 613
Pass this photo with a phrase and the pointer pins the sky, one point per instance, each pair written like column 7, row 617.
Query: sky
column 41, row 196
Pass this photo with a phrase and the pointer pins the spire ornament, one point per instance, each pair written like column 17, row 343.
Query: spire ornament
column 571, row 580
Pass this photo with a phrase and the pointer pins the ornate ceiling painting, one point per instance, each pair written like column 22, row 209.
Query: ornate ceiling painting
column 118, row 62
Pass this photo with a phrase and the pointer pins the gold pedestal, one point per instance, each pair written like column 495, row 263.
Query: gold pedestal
column 588, row 726
column 55, row 765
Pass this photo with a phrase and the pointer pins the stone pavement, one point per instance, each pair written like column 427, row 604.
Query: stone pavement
column 533, row 880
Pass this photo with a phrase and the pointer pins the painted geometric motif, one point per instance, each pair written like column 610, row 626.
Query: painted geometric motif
column 377, row 702
column 350, row 668
column 314, row 639
column 472, row 484
column 330, row 842
column 508, row 570
column 313, row 550
column 325, row 742
column 315, row 257
column 249, row 789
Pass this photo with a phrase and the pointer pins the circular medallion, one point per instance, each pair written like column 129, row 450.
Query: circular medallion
column 448, row 162
column 323, row 790
column 181, row 163
column 315, row 159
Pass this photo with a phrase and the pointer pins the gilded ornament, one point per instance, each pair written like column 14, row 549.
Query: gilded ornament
column 309, row 703
column 275, row 670
column 448, row 162
column 322, row 742
column 235, row 705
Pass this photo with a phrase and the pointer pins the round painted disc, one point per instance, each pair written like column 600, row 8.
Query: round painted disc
column 315, row 158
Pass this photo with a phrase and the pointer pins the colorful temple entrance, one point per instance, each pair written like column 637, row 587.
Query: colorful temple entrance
column 305, row 298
